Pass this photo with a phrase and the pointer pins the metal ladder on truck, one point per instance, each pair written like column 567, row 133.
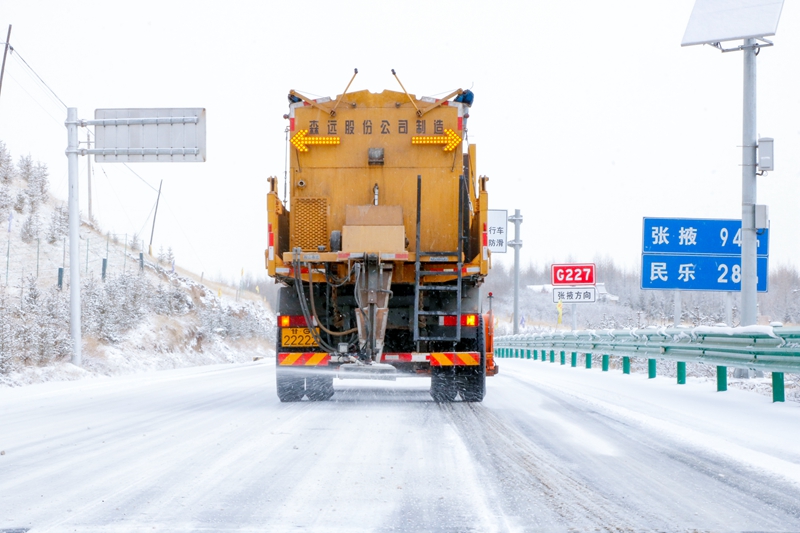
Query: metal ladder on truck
column 419, row 272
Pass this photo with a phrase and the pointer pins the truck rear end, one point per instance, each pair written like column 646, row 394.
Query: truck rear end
column 381, row 246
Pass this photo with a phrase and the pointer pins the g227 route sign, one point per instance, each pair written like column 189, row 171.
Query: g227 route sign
column 573, row 274
column 697, row 236
column 698, row 272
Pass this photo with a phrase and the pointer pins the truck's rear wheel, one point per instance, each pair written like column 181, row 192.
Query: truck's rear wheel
column 472, row 383
column 291, row 388
column 443, row 384
column 319, row 388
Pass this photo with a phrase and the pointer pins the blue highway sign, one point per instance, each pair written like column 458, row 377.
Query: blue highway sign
column 704, row 236
column 698, row 272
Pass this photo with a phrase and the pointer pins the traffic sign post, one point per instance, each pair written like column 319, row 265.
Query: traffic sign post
column 125, row 135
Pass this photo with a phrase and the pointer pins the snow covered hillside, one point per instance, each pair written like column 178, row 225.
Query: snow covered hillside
column 138, row 312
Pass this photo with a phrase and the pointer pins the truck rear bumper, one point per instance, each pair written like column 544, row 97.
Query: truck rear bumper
column 410, row 363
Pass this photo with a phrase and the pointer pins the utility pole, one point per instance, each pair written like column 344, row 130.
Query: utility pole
column 89, row 176
column 516, row 218
column 74, row 236
column 3, row 68
column 152, row 231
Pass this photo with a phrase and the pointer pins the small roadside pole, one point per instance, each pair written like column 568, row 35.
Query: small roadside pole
column 516, row 219
column 125, row 136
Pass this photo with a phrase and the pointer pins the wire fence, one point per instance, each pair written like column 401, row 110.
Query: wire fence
column 111, row 255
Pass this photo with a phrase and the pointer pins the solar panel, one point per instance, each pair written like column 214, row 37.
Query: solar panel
column 715, row 21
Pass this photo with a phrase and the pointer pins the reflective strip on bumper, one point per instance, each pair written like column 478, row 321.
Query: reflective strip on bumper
column 303, row 359
column 406, row 357
column 455, row 359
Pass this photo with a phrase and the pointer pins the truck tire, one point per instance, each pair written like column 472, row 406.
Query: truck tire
column 472, row 383
column 319, row 388
column 443, row 384
column 291, row 388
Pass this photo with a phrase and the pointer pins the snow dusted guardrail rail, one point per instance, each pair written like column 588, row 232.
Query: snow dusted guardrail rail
column 773, row 349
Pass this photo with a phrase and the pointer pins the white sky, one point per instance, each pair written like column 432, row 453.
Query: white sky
column 588, row 115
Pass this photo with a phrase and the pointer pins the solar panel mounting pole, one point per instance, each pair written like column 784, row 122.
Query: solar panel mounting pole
column 714, row 22
column 749, row 145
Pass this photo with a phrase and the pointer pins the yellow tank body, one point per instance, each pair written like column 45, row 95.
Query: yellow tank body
column 330, row 169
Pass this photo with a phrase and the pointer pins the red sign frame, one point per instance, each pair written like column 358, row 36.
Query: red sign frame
column 573, row 274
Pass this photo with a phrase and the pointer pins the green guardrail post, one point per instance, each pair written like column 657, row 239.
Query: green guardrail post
column 605, row 363
column 626, row 365
column 588, row 360
column 563, row 357
column 722, row 378
column 552, row 356
column 681, row 373
column 535, row 355
column 778, row 392
column 574, row 361
column 651, row 368
column 529, row 353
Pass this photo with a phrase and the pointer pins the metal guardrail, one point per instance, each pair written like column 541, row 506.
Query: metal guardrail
column 773, row 349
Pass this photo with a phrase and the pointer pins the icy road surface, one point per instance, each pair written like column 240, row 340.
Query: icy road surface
column 551, row 449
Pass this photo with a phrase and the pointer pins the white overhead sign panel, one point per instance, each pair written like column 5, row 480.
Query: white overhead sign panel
column 149, row 135
column 715, row 21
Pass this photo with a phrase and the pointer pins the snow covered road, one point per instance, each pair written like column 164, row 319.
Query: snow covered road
column 551, row 449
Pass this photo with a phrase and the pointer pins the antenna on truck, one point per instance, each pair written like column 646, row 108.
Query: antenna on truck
column 419, row 113
column 333, row 111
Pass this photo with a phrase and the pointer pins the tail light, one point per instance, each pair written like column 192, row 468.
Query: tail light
column 292, row 321
column 469, row 321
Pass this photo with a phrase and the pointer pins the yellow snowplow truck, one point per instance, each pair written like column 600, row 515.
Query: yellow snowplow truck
column 381, row 246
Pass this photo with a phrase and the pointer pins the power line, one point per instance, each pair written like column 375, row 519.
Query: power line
column 138, row 176
column 13, row 50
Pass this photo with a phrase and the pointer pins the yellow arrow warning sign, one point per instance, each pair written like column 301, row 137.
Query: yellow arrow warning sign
column 301, row 140
column 450, row 140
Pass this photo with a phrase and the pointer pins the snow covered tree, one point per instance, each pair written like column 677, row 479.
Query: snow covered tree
column 20, row 202
column 7, row 170
column 8, row 339
column 5, row 199
column 170, row 257
column 59, row 225
column 25, row 167
column 30, row 228
column 161, row 256
column 134, row 243
column 38, row 186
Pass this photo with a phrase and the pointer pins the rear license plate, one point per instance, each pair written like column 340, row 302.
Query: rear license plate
column 297, row 337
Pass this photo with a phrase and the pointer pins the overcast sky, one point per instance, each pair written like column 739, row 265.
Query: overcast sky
column 588, row 115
